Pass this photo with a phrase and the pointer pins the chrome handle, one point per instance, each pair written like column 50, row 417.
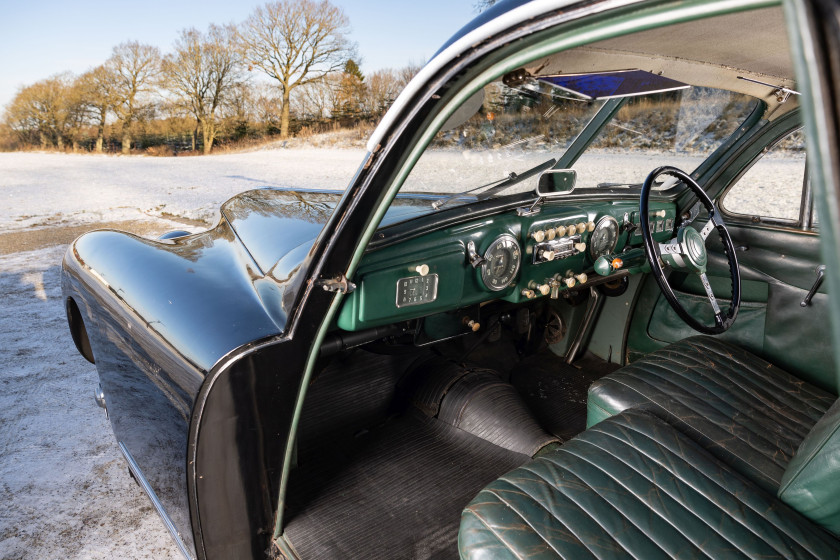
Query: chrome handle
column 817, row 283
column 473, row 257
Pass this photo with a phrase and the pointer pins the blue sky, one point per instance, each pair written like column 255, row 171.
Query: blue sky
column 39, row 38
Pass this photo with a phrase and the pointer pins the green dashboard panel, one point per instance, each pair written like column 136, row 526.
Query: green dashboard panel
column 545, row 253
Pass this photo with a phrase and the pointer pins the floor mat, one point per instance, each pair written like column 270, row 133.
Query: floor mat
column 398, row 493
column 556, row 391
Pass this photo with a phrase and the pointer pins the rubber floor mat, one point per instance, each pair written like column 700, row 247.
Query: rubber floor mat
column 398, row 493
column 556, row 391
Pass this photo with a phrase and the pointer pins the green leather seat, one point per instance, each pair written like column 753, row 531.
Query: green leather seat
column 634, row 486
column 742, row 409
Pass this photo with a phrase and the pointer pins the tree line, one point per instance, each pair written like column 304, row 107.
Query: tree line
column 204, row 90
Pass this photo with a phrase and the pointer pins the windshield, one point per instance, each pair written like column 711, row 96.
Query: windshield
column 517, row 132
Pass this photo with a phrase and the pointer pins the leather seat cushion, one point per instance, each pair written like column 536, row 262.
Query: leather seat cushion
column 633, row 487
column 742, row 409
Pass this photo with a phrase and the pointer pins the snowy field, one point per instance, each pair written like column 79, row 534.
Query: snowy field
column 64, row 486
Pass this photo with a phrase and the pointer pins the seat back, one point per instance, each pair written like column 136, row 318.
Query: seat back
column 811, row 482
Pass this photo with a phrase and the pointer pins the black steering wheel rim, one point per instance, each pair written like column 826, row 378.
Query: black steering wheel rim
column 653, row 254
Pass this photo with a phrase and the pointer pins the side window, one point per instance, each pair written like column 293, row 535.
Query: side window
column 771, row 189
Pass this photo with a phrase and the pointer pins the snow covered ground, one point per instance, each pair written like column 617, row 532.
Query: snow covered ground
column 64, row 486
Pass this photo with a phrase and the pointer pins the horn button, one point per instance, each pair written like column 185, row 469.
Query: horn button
column 693, row 249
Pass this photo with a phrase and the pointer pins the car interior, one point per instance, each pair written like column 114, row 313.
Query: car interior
column 555, row 347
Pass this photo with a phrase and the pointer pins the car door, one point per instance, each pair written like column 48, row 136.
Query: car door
column 768, row 211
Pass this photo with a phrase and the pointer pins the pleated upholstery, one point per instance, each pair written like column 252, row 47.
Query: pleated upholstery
column 633, row 486
column 742, row 409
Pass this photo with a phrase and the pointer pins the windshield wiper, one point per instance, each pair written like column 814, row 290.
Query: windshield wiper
column 663, row 184
column 614, row 185
column 495, row 187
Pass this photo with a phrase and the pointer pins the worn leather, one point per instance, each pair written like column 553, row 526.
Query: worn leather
column 745, row 411
column 811, row 483
column 634, row 487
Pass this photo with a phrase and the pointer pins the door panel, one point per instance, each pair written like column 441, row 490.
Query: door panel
column 778, row 267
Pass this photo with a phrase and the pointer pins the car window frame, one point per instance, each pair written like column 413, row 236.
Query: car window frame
column 804, row 220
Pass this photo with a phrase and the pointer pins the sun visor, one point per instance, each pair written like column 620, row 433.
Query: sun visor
column 608, row 85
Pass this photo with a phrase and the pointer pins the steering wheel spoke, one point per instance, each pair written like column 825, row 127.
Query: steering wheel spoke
column 710, row 294
column 708, row 228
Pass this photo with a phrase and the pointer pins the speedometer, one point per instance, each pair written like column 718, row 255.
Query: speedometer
column 502, row 260
column 604, row 237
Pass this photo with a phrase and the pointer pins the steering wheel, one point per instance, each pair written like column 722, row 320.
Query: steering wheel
column 687, row 252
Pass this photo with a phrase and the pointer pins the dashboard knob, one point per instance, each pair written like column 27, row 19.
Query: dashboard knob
column 582, row 277
column 422, row 269
column 547, row 255
column 581, row 227
column 550, row 234
column 659, row 213
column 538, row 236
column 561, row 231
column 528, row 294
column 570, row 282
column 580, row 247
column 471, row 324
column 544, row 289
column 590, row 226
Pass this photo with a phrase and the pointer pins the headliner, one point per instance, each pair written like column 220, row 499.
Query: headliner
column 710, row 52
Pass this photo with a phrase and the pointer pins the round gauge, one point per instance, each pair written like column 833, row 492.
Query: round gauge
column 604, row 237
column 502, row 260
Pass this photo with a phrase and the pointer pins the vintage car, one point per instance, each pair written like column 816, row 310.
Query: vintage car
column 570, row 305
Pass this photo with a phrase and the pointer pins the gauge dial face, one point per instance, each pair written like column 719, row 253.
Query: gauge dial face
column 604, row 237
column 503, row 258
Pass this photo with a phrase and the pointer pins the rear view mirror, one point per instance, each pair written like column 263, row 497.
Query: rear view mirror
column 555, row 182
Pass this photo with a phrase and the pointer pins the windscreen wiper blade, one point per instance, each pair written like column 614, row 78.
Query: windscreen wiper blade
column 614, row 185
column 496, row 187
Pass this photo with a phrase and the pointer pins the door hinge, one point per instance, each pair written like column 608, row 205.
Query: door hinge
column 339, row 283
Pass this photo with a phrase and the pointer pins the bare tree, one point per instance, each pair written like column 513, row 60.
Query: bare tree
column 317, row 100
column 135, row 68
column 383, row 86
column 47, row 112
column 295, row 42
column 98, row 97
column 201, row 73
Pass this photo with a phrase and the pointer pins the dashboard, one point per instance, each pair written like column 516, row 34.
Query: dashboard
column 516, row 256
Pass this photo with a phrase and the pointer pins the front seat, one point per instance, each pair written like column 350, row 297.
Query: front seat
column 739, row 407
column 639, row 485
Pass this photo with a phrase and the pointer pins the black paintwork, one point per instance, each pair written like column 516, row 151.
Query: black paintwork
column 160, row 314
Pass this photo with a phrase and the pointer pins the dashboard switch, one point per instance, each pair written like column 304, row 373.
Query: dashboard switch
column 528, row 294
column 582, row 277
column 471, row 324
column 555, row 289
column 422, row 269
column 570, row 282
column 580, row 247
column 561, row 231
column 539, row 236
column 547, row 255
column 581, row 227
column 590, row 226
column 550, row 233
column 543, row 289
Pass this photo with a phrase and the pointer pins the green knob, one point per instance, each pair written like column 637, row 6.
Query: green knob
column 603, row 266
